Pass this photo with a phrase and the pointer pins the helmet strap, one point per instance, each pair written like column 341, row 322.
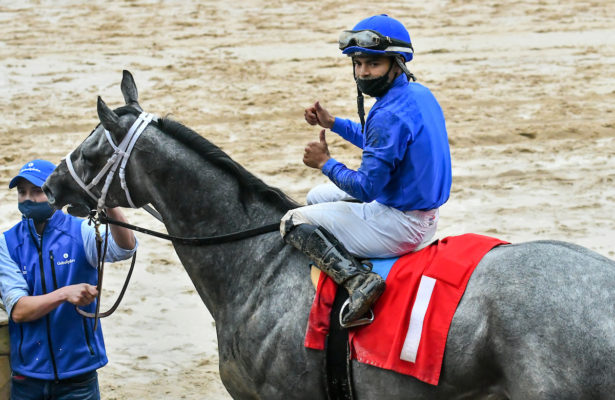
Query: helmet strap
column 361, row 108
column 403, row 67
column 360, row 102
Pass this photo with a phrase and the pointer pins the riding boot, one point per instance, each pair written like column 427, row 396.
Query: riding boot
column 363, row 286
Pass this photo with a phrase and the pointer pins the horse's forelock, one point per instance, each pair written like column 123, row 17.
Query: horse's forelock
column 127, row 109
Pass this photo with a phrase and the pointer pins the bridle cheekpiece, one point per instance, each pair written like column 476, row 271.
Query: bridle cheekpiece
column 121, row 154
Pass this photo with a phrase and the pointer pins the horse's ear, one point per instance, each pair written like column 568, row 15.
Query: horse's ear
column 107, row 117
column 129, row 90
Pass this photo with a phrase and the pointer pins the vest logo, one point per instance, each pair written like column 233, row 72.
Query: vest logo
column 25, row 271
column 67, row 260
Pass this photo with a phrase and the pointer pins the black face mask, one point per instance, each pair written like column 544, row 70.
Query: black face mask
column 375, row 87
column 39, row 212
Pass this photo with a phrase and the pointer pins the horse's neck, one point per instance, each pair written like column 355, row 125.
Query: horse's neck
column 197, row 199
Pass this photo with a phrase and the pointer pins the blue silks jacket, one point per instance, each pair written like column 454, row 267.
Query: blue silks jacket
column 61, row 344
column 406, row 161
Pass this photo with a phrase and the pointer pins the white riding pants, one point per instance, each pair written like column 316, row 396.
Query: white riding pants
column 367, row 230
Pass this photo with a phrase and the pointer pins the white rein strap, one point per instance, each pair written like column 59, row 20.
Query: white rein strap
column 121, row 154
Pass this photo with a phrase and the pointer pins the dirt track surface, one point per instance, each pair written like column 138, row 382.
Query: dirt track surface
column 528, row 91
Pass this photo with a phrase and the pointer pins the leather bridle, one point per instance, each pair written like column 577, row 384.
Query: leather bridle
column 119, row 158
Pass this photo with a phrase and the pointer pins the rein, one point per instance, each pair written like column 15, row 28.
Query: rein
column 101, row 252
column 196, row 241
column 101, row 249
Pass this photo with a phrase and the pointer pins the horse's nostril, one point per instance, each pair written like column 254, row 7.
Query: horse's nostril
column 50, row 198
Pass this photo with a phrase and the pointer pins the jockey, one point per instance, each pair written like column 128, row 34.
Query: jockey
column 389, row 206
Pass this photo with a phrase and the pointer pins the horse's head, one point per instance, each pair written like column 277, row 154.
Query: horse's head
column 93, row 175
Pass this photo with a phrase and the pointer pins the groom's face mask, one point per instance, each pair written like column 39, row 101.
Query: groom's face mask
column 39, row 212
column 32, row 202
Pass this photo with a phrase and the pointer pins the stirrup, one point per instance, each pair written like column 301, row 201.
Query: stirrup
column 356, row 322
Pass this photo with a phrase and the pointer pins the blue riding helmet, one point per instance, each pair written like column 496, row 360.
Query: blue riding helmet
column 380, row 34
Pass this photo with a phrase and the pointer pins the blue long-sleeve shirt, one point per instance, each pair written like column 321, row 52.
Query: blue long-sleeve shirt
column 406, row 162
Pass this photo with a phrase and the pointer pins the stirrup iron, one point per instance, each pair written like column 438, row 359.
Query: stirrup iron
column 356, row 322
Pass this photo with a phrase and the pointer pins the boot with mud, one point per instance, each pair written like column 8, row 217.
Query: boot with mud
column 364, row 287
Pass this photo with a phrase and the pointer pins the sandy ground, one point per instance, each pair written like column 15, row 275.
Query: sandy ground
column 528, row 90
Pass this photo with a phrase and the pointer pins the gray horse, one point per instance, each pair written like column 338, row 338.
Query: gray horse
column 537, row 320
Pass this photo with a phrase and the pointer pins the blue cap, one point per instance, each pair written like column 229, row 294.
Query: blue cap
column 35, row 171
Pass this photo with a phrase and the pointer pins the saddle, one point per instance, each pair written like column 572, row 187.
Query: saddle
column 413, row 316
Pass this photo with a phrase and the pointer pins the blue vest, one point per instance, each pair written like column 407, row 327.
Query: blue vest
column 61, row 344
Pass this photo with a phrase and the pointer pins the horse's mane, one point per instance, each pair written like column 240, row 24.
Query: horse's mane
column 249, row 183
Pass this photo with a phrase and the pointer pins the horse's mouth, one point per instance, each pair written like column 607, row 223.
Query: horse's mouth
column 77, row 209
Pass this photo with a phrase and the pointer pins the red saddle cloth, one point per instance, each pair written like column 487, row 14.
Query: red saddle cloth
column 413, row 315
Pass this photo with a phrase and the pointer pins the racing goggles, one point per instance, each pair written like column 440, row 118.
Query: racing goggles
column 373, row 40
